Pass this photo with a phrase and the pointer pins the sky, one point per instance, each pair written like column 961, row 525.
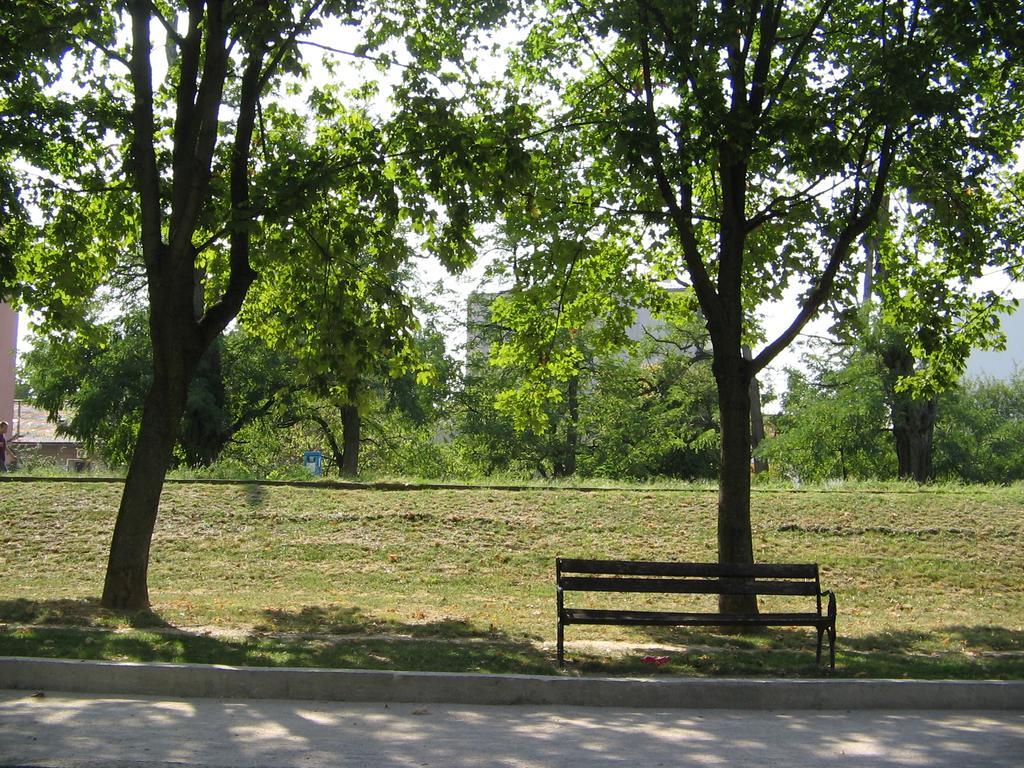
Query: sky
column 1003, row 364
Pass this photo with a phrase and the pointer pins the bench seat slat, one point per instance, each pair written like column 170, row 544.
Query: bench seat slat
column 708, row 570
column 694, row 586
column 671, row 618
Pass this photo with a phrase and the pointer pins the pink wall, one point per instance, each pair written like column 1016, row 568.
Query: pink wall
column 8, row 350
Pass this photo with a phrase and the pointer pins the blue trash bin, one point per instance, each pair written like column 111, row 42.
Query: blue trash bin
column 314, row 462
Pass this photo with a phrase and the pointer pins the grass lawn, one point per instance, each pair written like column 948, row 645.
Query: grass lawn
column 930, row 581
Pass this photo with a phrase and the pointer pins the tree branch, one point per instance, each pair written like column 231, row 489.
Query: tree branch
column 767, row 40
column 682, row 214
column 199, row 133
column 859, row 222
column 797, row 55
column 241, row 275
column 251, row 414
column 328, row 433
column 147, row 175
column 169, row 29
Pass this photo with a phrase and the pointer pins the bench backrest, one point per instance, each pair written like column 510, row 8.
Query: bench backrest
column 686, row 578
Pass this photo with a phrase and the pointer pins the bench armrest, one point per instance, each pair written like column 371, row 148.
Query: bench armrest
column 831, row 601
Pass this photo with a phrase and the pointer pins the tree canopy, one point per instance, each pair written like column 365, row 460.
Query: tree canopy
column 747, row 147
column 173, row 201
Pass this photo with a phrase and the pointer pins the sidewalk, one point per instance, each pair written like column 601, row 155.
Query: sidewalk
column 60, row 730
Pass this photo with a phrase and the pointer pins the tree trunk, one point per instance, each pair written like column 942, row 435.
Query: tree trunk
column 572, row 436
column 913, row 428
column 565, row 463
column 179, row 337
column 125, row 586
column 351, row 425
column 205, row 431
column 735, row 539
column 756, row 417
column 913, row 418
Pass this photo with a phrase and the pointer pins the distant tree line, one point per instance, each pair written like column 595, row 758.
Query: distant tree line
column 647, row 411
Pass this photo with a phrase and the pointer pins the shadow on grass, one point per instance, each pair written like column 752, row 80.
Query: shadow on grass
column 314, row 636
column 955, row 651
column 348, row 620
column 985, row 638
column 255, row 494
column 342, row 637
column 950, row 652
column 75, row 613
column 978, row 639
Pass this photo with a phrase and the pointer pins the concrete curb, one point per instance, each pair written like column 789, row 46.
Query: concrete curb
column 210, row 681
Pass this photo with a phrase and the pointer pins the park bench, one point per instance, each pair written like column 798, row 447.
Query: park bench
column 631, row 576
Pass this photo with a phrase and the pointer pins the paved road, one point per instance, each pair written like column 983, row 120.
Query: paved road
column 88, row 731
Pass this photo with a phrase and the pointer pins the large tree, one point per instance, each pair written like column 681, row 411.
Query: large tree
column 927, row 305
column 224, row 57
column 178, row 194
column 335, row 297
column 755, row 142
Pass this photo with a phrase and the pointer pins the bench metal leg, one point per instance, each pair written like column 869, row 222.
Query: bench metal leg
column 559, row 609
column 561, row 643
column 831, row 630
